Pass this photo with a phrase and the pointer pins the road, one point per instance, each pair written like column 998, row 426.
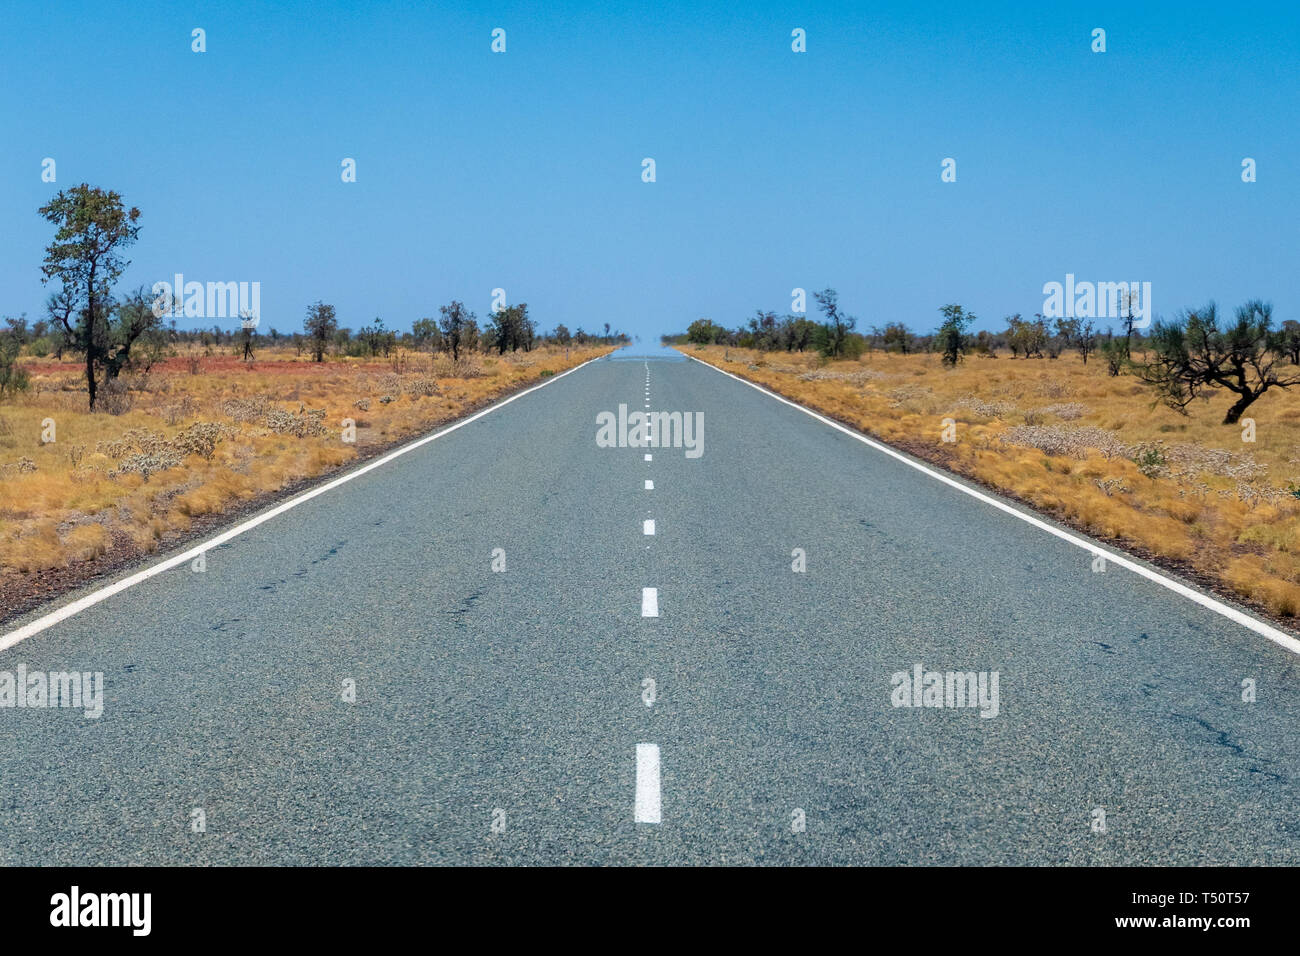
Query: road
column 499, row 714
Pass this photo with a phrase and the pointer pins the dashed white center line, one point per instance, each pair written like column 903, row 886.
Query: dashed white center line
column 647, row 783
column 647, row 755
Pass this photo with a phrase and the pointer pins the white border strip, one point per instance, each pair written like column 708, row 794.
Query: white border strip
column 79, row 605
column 1231, row 613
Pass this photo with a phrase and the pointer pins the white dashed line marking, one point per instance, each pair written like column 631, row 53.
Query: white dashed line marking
column 647, row 755
column 647, row 783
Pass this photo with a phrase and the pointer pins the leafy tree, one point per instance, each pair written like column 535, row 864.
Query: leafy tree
column 763, row 332
column 426, row 334
column 1085, row 339
column 512, row 328
column 156, row 343
column 896, row 337
column 797, row 332
column 1288, row 340
column 986, row 343
column 1026, row 338
column 321, row 326
column 134, row 323
column 704, row 332
column 1068, row 331
column 469, row 334
column 502, row 334
column 377, row 339
column 341, row 340
column 93, row 227
column 18, row 331
column 528, row 328
column 1115, row 352
column 452, row 326
column 13, row 377
column 952, row 333
column 562, row 336
column 837, row 325
column 1194, row 355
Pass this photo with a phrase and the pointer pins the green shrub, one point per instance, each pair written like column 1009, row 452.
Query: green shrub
column 13, row 377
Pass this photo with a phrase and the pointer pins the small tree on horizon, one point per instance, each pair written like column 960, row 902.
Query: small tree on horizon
column 837, row 325
column 896, row 337
column 452, row 326
column 321, row 326
column 951, row 337
column 1085, row 340
column 426, row 334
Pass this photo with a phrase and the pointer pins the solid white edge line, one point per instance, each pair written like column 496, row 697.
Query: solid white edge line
column 1231, row 613
column 89, row 600
column 647, row 783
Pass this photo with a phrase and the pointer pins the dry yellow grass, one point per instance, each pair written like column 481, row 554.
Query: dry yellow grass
column 1064, row 437
column 183, row 445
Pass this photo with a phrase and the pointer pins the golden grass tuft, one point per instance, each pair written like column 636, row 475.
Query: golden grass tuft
column 86, row 542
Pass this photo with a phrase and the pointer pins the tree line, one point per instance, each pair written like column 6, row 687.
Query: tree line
column 1190, row 356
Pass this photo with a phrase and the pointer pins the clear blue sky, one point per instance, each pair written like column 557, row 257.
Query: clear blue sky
column 477, row 170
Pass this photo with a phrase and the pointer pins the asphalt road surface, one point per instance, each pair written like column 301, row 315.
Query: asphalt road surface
column 502, row 716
